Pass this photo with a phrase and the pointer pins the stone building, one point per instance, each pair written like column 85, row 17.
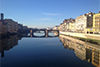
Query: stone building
column 61, row 27
column 55, row 28
column 71, row 25
column 68, row 24
column 81, row 23
column 25, row 29
column 20, row 28
column 84, row 22
column 96, row 23
column 9, row 26
column 3, row 26
column 12, row 26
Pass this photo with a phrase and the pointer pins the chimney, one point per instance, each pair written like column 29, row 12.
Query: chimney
column 2, row 16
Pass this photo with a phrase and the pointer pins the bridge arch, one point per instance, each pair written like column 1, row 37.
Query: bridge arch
column 46, row 32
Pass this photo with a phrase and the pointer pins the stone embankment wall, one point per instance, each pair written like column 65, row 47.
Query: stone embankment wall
column 83, row 35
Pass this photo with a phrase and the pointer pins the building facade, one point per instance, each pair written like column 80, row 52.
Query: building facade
column 9, row 26
column 67, row 25
column 12, row 26
column 84, row 23
column 96, row 23
column 3, row 26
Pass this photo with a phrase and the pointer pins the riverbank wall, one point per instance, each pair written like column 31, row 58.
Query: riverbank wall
column 82, row 35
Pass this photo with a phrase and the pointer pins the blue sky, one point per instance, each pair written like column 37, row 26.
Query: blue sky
column 46, row 13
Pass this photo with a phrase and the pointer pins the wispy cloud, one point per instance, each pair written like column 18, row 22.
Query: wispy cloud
column 51, row 14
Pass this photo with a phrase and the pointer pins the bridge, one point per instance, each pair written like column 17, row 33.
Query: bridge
column 46, row 32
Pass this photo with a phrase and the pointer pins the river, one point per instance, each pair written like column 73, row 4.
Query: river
column 17, row 51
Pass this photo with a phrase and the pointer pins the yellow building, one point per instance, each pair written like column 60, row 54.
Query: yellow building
column 72, row 26
column 96, row 23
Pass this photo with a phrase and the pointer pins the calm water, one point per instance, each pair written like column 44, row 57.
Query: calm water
column 18, row 51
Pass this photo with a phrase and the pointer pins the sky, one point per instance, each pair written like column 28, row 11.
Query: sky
column 46, row 13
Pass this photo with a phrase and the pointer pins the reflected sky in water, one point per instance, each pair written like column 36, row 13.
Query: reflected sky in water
column 20, row 51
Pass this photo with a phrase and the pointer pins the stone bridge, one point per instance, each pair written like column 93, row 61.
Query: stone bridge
column 46, row 32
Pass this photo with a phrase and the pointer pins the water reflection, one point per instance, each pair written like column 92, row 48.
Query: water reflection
column 84, row 51
column 8, row 43
column 42, row 35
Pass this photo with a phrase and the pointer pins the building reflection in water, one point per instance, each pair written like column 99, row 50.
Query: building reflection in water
column 8, row 43
column 84, row 51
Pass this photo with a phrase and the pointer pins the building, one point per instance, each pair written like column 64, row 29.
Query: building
column 3, row 27
column 12, row 26
column 61, row 27
column 65, row 25
column 9, row 26
column 25, row 28
column 84, row 22
column 69, row 24
column 20, row 28
column 96, row 23
column 55, row 28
